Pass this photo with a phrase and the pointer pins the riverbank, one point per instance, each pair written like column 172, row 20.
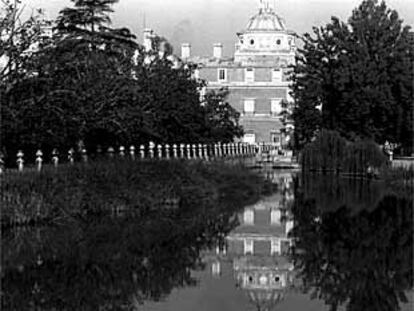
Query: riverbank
column 121, row 186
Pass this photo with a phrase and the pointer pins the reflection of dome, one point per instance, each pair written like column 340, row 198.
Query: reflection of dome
column 266, row 20
column 265, row 280
column 265, row 299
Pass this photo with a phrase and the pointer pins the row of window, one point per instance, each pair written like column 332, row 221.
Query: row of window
column 249, row 75
column 275, row 106
column 250, row 137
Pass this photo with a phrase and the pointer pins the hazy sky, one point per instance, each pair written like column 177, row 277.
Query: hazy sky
column 204, row 22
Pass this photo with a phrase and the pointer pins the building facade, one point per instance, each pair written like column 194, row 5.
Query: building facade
column 256, row 76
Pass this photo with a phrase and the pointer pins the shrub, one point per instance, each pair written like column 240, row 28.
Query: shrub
column 331, row 152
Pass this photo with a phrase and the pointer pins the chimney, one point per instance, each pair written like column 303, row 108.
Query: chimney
column 185, row 50
column 218, row 50
column 148, row 34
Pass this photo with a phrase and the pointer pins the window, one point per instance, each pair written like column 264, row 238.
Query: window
column 249, row 75
column 248, row 217
column 248, row 246
column 276, row 106
column 275, row 216
column 275, row 247
column 249, row 138
column 276, row 75
column 278, row 41
column 251, row 42
column 222, row 75
column 275, row 138
column 249, row 106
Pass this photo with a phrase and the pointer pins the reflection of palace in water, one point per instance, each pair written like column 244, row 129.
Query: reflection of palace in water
column 258, row 248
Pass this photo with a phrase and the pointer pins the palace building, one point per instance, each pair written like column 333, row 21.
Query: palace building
column 256, row 76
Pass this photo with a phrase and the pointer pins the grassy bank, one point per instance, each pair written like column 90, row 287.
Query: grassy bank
column 115, row 186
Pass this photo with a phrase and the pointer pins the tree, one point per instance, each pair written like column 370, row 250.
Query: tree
column 222, row 120
column 16, row 39
column 72, row 87
column 360, row 75
column 94, row 85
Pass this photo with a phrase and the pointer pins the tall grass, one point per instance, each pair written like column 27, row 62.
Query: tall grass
column 103, row 187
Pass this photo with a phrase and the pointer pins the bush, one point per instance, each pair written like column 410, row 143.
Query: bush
column 331, row 152
column 325, row 153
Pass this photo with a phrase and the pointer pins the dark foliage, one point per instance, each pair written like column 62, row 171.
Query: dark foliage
column 104, row 187
column 94, row 84
column 352, row 254
column 331, row 152
column 360, row 74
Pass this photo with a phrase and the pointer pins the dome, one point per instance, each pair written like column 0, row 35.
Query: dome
column 266, row 20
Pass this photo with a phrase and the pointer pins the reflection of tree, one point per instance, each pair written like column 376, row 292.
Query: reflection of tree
column 331, row 192
column 110, row 264
column 361, row 259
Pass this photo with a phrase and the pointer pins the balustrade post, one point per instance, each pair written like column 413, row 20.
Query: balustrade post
column 151, row 149
column 122, row 151
column 205, row 152
column 219, row 150
column 132, row 152
column 167, row 151
column 1, row 163
column 182, row 151
column 159, row 153
column 20, row 160
column 39, row 160
column 55, row 157
column 98, row 150
column 71, row 157
column 111, row 152
column 142, row 151
column 200, row 151
column 175, row 153
column 84, row 155
column 194, row 151
column 189, row 152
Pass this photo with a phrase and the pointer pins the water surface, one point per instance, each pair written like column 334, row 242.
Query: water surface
column 317, row 243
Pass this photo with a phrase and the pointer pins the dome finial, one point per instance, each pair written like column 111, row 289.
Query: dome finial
column 265, row 5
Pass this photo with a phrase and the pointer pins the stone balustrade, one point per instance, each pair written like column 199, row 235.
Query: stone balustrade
column 150, row 151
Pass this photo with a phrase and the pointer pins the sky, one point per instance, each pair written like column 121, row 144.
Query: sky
column 205, row 22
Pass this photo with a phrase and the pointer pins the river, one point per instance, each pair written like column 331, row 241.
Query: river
column 316, row 243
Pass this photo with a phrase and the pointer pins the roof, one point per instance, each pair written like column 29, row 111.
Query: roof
column 265, row 20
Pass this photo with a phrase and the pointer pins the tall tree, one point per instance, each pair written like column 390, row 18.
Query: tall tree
column 95, row 85
column 360, row 74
